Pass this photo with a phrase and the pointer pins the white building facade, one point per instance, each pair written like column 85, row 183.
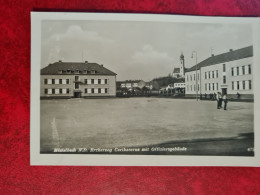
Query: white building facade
column 230, row 73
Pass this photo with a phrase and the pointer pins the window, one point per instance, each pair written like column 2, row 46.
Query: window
column 68, row 91
column 209, row 86
column 60, row 90
column 243, row 70
column 237, row 85
column 105, row 90
column 93, row 71
column 213, row 86
column 232, row 71
column 76, row 71
column 250, row 84
column 244, row 85
column 92, row 90
column 92, row 81
column 76, row 78
column 209, row 74
column 86, row 81
column 205, row 86
column 76, row 85
column 99, row 90
column 249, row 69
column 45, row 91
column 217, row 85
column 86, row 90
column 53, row 91
column 232, row 85
column 67, row 81
column 63, row 71
column 213, row 74
column 60, row 81
column 53, row 81
column 224, row 67
column 237, row 71
column 99, row 81
column 45, row 81
column 190, row 78
column 224, row 79
column 68, row 71
column 217, row 73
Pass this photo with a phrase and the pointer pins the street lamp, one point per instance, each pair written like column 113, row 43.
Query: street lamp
column 195, row 52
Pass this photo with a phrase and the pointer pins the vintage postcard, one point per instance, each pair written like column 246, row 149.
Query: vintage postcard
column 144, row 90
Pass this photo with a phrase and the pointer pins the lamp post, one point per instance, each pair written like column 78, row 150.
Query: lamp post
column 195, row 52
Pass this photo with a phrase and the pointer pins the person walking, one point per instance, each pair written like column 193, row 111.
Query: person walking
column 225, row 101
column 219, row 99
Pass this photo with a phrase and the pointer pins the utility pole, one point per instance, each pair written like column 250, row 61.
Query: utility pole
column 196, row 77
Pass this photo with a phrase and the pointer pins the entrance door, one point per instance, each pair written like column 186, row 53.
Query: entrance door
column 224, row 91
column 77, row 94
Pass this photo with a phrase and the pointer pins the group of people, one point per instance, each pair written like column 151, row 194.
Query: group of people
column 221, row 99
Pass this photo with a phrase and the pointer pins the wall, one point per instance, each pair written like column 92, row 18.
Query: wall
column 111, row 85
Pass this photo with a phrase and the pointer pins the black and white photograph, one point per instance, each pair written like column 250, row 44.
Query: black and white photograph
column 140, row 89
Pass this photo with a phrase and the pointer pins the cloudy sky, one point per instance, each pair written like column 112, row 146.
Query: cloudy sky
column 138, row 50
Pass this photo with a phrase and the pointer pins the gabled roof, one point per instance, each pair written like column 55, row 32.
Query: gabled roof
column 225, row 57
column 57, row 67
column 176, row 70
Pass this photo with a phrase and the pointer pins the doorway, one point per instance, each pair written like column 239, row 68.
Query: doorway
column 77, row 94
column 224, row 91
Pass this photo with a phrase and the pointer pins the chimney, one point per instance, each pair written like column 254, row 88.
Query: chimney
column 212, row 55
column 60, row 61
column 230, row 50
column 86, row 62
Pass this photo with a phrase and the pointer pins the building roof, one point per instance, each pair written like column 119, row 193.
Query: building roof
column 82, row 67
column 225, row 57
column 176, row 70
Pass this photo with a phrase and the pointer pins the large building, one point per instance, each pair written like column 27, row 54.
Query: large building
column 71, row 79
column 229, row 73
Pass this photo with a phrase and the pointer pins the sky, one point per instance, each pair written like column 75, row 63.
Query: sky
column 138, row 50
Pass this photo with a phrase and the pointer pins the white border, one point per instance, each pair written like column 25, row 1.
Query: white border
column 133, row 160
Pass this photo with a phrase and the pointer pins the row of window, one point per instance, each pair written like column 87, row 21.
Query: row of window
column 77, row 71
column 67, row 81
column 211, row 74
column 211, row 86
column 96, row 90
column 67, row 91
column 192, row 87
column 239, row 85
column 193, row 77
column 56, row 91
column 241, row 70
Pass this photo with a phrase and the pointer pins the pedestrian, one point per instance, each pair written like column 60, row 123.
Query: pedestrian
column 214, row 96
column 225, row 101
column 238, row 95
column 218, row 100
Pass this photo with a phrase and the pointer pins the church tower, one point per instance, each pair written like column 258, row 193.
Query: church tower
column 182, row 67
